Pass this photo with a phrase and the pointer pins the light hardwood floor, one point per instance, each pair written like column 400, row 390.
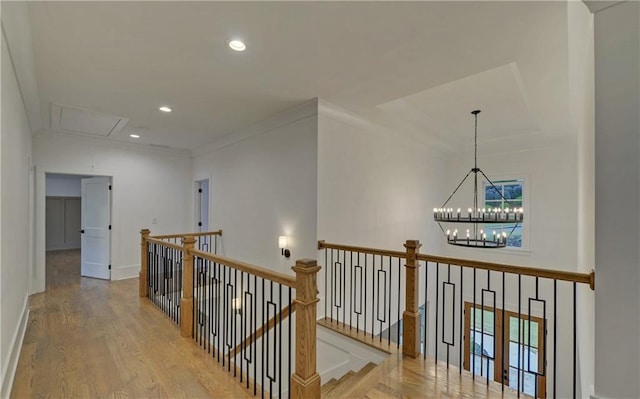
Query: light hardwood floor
column 402, row 377
column 90, row 338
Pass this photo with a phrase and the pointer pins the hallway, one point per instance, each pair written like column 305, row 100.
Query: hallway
column 90, row 338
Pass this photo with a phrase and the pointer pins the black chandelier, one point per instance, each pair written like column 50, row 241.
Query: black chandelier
column 475, row 236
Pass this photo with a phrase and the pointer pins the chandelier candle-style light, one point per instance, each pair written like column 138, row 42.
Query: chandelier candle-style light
column 475, row 236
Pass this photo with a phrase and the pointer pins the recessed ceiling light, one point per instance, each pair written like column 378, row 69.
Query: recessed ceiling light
column 237, row 45
column 165, row 109
column 134, row 136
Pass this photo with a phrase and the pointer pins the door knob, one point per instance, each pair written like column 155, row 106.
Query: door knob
column 82, row 231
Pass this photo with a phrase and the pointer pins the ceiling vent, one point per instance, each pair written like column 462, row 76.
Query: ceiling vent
column 67, row 119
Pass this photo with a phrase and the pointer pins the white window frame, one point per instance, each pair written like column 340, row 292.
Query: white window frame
column 524, row 181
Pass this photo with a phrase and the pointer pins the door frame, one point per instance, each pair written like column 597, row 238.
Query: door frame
column 39, row 277
column 499, row 316
column 197, row 207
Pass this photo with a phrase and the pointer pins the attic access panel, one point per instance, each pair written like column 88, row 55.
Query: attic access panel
column 68, row 119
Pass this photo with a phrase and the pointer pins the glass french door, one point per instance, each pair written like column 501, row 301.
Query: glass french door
column 501, row 346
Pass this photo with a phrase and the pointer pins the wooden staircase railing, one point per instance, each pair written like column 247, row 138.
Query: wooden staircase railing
column 282, row 315
column 468, row 313
column 221, row 300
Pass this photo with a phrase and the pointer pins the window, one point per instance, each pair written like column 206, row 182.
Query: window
column 506, row 194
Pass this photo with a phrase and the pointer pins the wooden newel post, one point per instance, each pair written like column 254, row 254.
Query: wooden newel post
column 305, row 382
column 411, row 315
column 186, row 302
column 144, row 260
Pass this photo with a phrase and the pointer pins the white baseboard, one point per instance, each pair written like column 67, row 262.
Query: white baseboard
column 335, row 372
column 14, row 353
column 125, row 272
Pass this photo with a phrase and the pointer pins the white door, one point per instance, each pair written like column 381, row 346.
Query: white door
column 96, row 234
column 202, row 205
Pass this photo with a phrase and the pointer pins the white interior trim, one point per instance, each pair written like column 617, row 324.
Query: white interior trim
column 14, row 353
column 125, row 272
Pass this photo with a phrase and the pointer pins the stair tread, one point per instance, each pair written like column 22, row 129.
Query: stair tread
column 367, row 367
column 329, row 386
column 347, row 382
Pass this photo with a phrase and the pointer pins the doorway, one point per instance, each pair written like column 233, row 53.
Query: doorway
column 493, row 334
column 201, row 205
column 77, row 228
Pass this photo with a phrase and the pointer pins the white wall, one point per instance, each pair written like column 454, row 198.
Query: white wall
column 375, row 186
column 617, row 201
column 550, row 178
column 15, row 167
column 263, row 185
column 147, row 184
column 63, row 185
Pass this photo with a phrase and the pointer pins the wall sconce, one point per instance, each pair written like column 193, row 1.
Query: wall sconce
column 236, row 305
column 282, row 244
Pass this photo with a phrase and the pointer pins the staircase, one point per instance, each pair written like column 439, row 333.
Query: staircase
column 339, row 388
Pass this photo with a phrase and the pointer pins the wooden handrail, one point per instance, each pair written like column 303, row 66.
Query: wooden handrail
column 270, row 275
column 165, row 243
column 282, row 315
column 583, row 278
column 206, row 233
column 373, row 251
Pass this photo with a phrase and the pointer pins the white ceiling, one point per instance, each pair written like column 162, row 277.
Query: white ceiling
column 415, row 66
column 444, row 111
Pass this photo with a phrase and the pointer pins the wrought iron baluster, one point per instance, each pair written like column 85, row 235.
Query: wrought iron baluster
column 555, row 334
column 234, row 322
column 326, row 284
column 519, row 368
column 343, row 293
column 209, row 280
column 389, row 307
column 243, row 333
column 352, row 288
column 504, row 342
column 399, row 316
column 264, row 338
column 278, row 355
column 437, row 297
column 473, row 328
column 461, row 350
column 360, row 290
column 373, row 289
column 575, row 333
column 218, row 304
column 426, row 306
column 225, row 311
column 290, row 345
column 364, row 305
column 180, row 271
column 448, row 342
column 333, row 285
column 255, row 338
